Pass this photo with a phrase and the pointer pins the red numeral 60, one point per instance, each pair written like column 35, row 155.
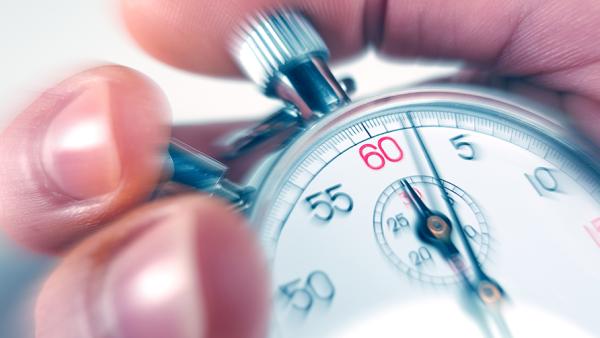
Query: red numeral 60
column 375, row 156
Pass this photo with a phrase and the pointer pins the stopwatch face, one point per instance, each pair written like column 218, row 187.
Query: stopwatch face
column 340, row 230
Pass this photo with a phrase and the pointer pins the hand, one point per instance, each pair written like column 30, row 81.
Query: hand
column 57, row 194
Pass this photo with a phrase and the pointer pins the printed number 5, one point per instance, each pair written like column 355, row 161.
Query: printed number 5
column 325, row 208
column 466, row 148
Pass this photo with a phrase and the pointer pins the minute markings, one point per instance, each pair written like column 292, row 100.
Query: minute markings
column 533, row 142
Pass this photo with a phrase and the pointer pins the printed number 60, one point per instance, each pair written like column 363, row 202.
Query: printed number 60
column 375, row 157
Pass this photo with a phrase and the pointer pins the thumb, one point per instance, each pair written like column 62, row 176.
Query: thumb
column 82, row 153
column 180, row 268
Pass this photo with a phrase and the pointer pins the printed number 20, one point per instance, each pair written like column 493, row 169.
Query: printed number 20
column 375, row 156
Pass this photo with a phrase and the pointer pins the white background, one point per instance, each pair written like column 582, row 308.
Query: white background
column 44, row 41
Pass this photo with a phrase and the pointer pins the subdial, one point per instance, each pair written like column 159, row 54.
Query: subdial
column 394, row 223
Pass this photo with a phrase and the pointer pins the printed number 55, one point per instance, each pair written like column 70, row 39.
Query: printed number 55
column 324, row 207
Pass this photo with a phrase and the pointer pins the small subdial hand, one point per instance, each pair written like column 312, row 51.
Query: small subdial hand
column 435, row 229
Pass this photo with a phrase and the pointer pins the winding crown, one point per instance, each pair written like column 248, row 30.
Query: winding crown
column 272, row 41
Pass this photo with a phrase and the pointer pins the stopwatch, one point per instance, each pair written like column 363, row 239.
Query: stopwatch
column 436, row 210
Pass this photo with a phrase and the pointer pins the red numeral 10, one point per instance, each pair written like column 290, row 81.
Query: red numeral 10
column 594, row 230
column 375, row 156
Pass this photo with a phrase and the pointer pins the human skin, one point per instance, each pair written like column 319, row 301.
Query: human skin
column 87, row 203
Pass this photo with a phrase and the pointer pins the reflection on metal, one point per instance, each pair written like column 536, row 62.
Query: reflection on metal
column 197, row 170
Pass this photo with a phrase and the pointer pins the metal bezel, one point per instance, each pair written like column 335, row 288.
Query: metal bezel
column 530, row 114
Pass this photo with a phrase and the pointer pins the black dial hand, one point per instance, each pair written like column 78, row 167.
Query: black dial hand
column 479, row 273
column 435, row 229
column 416, row 201
column 487, row 290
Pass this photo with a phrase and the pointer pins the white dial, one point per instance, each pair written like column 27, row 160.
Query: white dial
column 340, row 237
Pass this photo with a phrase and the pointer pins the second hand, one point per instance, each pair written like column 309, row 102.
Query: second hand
column 488, row 290
column 479, row 273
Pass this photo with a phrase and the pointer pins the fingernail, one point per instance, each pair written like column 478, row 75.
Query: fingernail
column 151, row 287
column 79, row 152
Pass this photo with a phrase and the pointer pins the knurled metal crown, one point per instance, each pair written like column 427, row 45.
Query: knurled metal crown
column 272, row 41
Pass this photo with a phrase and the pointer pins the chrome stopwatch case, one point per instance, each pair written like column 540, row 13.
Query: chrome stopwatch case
column 339, row 228
column 439, row 210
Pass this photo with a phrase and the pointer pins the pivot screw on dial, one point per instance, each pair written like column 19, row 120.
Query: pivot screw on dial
column 438, row 227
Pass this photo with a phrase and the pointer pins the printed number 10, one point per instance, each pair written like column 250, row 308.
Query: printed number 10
column 376, row 156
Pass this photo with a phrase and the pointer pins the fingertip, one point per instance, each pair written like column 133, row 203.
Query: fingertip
column 81, row 153
column 196, row 35
column 188, row 36
column 233, row 279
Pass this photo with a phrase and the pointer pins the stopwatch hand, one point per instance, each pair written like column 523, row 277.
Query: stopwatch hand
column 435, row 229
column 416, row 200
column 479, row 273
column 487, row 290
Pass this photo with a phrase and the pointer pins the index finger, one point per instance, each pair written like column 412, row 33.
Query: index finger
column 520, row 37
column 195, row 35
column 555, row 43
